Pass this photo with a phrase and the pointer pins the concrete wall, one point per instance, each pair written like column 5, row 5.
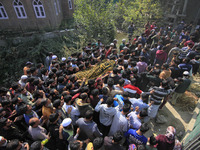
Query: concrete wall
column 31, row 22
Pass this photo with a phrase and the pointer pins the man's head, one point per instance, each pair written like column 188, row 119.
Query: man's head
column 53, row 118
column 98, row 143
column 110, row 82
column 109, row 101
column 5, row 123
column 75, row 145
column 89, row 114
column 34, row 122
column 126, row 108
column 37, row 145
column 165, row 66
column 14, row 145
column 144, row 128
column 144, row 96
column 143, row 113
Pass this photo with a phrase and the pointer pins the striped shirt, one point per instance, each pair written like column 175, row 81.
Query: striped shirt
column 158, row 94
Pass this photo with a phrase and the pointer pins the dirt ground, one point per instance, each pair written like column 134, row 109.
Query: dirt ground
column 179, row 115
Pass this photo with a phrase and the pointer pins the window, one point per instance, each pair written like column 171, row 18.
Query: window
column 19, row 9
column 70, row 4
column 56, row 9
column 58, row 3
column 39, row 9
column 3, row 14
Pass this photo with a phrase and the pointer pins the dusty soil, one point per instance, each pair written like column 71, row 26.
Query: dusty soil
column 179, row 115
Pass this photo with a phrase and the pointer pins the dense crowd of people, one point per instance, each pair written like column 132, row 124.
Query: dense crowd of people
column 50, row 108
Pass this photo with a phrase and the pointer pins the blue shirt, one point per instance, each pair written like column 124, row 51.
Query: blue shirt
column 138, row 102
column 120, row 98
column 134, row 138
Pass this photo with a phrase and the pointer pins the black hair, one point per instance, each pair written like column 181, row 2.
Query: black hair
column 54, row 70
column 135, row 70
column 36, row 81
column 187, row 60
column 164, row 83
column 126, row 108
column 109, row 101
column 22, row 109
column 36, row 145
column 133, row 81
column 56, row 103
column 74, row 145
column 91, row 82
column 110, row 82
column 44, row 70
column 152, row 140
column 83, row 96
column 98, row 143
column 125, row 94
column 5, row 102
column 104, row 91
column 67, row 98
column 121, row 82
column 125, row 65
column 32, row 69
column 89, row 114
column 60, row 79
column 124, row 74
column 143, row 113
column 95, row 92
column 117, row 137
column 165, row 65
column 144, row 127
column 13, row 144
column 51, row 74
column 69, row 86
column 59, row 73
column 15, row 100
column 115, row 70
column 39, row 65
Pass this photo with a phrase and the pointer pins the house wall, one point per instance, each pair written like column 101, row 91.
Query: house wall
column 31, row 22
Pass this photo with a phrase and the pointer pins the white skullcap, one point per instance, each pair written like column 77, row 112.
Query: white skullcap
column 66, row 122
column 24, row 77
column 54, row 57
column 63, row 58
column 125, row 47
column 186, row 73
column 1, row 138
column 111, row 44
column 124, row 40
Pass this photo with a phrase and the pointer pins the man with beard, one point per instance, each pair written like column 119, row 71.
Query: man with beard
column 47, row 109
column 9, row 130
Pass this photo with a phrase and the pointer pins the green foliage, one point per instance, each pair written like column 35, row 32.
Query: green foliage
column 14, row 57
column 138, row 12
column 94, row 19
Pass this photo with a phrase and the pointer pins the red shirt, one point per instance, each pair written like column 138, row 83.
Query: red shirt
column 164, row 143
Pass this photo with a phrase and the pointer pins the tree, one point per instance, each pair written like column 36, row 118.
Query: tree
column 94, row 19
column 139, row 11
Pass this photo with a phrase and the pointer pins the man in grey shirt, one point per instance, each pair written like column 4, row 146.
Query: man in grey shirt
column 36, row 131
column 106, row 113
column 88, row 128
column 120, row 123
